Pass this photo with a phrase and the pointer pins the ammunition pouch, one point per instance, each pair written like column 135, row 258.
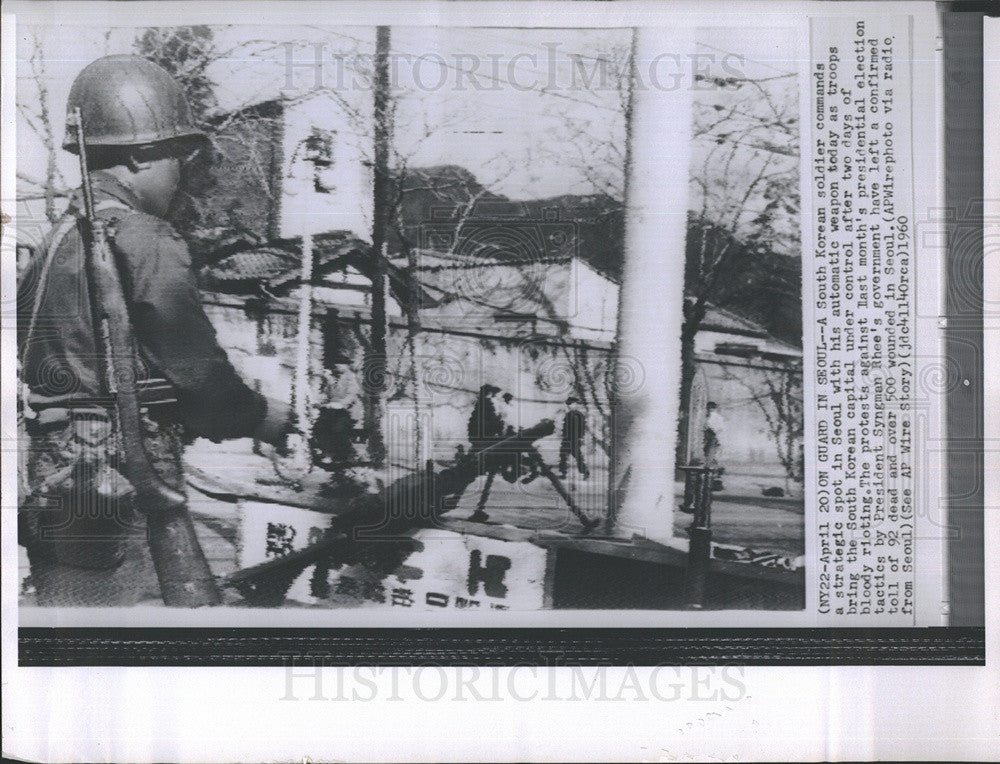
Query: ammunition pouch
column 80, row 505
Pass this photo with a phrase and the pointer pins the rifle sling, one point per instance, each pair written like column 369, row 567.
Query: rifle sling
column 68, row 223
column 150, row 392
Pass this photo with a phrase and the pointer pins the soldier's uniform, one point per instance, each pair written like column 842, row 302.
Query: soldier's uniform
column 84, row 536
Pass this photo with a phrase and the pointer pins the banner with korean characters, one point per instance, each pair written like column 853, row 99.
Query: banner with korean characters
column 431, row 569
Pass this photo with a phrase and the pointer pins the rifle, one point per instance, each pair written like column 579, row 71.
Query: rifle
column 184, row 575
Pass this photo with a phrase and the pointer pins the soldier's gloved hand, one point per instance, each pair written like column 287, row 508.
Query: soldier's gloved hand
column 276, row 425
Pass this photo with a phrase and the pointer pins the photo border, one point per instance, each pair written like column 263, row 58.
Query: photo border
column 945, row 646
column 954, row 645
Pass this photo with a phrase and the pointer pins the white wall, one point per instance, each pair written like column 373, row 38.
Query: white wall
column 568, row 292
column 593, row 304
column 451, row 367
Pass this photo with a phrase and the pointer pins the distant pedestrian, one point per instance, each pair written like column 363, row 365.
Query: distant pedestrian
column 505, row 410
column 573, row 430
column 333, row 430
column 485, row 425
column 715, row 426
column 485, row 429
column 714, row 430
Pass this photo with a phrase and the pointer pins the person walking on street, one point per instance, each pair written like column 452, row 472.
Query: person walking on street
column 714, row 427
column 505, row 410
column 485, row 428
column 573, row 429
column 485, row 425
column 714, row 432
column 333, row 431
column 84, row 535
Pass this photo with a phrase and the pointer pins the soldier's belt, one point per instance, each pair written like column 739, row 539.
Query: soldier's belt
column 149, row 392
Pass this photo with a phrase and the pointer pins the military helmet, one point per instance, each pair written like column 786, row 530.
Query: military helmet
column 128, row 101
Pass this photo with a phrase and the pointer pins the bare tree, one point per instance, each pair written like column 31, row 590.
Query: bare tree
column 185, row 52
column 777, row 392
column 744, row 195
column 34, row 107
column 745, row 203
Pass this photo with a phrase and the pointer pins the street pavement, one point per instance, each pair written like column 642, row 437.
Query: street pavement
column 757, row 522
column 740, row 515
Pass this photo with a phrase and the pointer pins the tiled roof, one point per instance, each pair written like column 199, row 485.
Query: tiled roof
column 277, row 266
column 722, row 320
column 257, row 264
column 331, row 251
column 279, row 262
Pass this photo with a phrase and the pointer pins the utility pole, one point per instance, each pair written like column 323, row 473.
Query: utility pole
column 375, row 361
column 301, row 457
column 650, row 309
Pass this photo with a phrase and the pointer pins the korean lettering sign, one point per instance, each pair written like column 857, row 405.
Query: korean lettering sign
column 447, row 571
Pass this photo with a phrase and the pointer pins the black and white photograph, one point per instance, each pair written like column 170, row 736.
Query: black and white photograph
column 362, row 318
column 498, row 381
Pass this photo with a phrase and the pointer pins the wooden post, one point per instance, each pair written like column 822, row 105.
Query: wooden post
column 300, row 390
column 650, row 312
column 375, row 363
column 257, row 387
column 698, row 486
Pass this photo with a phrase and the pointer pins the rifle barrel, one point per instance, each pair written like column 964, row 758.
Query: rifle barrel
column 88, row 191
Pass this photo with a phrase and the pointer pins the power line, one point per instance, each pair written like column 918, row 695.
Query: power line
column 761, row 63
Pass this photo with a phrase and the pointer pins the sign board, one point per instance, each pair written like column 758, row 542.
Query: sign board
column 434, row 570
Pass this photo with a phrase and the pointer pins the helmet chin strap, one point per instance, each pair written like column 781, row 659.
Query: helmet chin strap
column 136, row 166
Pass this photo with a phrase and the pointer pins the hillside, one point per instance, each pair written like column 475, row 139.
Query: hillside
column 759, row 284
